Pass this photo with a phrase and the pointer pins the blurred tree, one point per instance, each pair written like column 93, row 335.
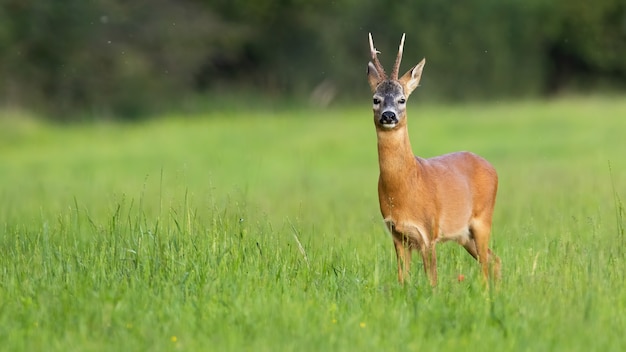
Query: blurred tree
column 105, row 56
column 588, row 46
column 126, row 59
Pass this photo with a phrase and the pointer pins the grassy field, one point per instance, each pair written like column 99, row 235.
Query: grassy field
column 259, row 230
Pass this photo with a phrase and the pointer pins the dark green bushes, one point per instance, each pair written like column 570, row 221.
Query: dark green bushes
column 126, row 59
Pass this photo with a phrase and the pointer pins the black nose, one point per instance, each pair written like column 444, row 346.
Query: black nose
column 388, row 117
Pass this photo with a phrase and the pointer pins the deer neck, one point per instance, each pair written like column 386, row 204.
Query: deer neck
column 395, row 157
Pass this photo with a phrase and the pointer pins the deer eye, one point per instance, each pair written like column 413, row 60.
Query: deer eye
column 376, row 101
column 402, row 101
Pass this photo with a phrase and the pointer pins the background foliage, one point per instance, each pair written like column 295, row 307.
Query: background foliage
column 119, row 58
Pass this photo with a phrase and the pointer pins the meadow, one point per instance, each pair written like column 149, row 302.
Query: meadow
column 258, row 229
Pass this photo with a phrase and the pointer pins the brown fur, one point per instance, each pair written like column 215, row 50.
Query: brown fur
column 425, row 201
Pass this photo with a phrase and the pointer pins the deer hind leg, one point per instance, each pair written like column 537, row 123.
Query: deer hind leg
column 403, row 254
column 495, row 264
column 478, row 247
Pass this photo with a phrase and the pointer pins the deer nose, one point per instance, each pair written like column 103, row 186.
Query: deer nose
column 388, row 117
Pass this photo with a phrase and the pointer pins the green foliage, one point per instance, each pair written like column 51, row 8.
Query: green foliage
column 101, row 57
column 602, row 43
column 128, row 59
column 260, row 230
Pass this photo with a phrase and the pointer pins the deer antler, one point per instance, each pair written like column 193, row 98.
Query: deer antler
column 377, row 64
column 396, row 65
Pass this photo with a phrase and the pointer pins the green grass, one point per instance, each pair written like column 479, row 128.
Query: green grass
column 260, row 230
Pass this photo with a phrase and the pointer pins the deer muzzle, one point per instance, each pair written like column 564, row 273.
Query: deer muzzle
column 388, row 119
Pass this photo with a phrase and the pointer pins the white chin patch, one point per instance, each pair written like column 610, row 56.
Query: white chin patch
column 388, row 126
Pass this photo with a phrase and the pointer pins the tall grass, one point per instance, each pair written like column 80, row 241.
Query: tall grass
column 260, row 230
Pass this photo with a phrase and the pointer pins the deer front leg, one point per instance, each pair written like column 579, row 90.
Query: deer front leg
column 403, row 254
column 407, row 237
column 429, row 258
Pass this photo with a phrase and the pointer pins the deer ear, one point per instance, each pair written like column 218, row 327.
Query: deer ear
column 373, row 76
column 411, row 79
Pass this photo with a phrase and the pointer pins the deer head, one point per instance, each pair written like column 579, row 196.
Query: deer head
column 391, row 93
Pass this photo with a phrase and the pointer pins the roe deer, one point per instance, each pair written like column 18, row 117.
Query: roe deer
column 425, row 201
